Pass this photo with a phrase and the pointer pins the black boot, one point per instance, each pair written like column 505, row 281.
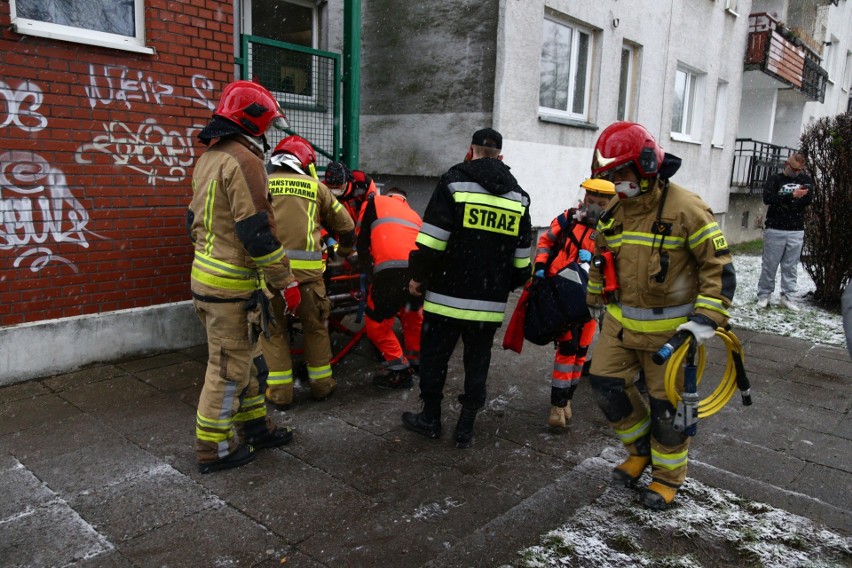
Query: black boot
column 426, row 423
column 464, row 428
column 399, row 379
column 241, row 456
column 261, row 433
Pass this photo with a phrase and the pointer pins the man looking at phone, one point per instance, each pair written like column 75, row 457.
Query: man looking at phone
column 787, row 194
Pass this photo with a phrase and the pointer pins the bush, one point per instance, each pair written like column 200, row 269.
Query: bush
column 827, row 144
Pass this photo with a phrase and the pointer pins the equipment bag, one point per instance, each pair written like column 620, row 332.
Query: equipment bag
column 555, row 304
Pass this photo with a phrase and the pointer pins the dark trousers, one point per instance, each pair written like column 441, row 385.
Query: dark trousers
column 437, row 342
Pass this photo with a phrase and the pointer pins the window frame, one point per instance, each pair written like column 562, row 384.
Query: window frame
column 629, row 84
column 689, row 130
column 39, row 28
column 847, row 73
column 567, row 114
column 720, row 117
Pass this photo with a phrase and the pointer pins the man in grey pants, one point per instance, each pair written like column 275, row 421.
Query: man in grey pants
column 787, row 194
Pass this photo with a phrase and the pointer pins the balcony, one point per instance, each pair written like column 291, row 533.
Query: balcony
column 776, row 51
column 754, row 162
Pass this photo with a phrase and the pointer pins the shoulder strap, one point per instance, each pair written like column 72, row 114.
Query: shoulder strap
column 565, row 233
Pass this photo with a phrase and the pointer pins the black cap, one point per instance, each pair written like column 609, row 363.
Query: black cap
column 487, row 137
column 337, row 173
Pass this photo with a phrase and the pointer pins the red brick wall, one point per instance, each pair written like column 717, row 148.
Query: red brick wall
column 97, row 147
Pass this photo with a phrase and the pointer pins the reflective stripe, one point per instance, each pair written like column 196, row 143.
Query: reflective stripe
column 467, row 315
column 653, row 314
column 396, row 220
column 309, row 232
column 466, row 303
column 630, row 435
column 669, row 461
column 336, row 206
column 209, row 199
column 463, row 308
column 317, row 373
column 305, row 259
column 224, row 267
column 542, row 250
column 521, row 262
column 276, row 378
column 645, row 326
column 251, row 408
column 213, row 436
column 212, row 422
column 488, row 199
column 431, row 242
column 594, row 287
column 270, row 258
column 711, row 304
column 706, row 232
column 562, row 368
column 473, row 187
column 522, row 252
column 222, row 282
column 435, row 232
column 390, row 264
column 651, row 240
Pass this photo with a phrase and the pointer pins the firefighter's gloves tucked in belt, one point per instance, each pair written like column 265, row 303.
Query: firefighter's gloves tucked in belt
column 292, row 297
column 584, row 256
column 700, row 326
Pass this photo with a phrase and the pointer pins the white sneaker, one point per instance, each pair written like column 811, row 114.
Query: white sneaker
column 762, row 302
column 788, row 303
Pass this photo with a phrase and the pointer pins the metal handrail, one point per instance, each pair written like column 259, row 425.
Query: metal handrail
column 755, row 161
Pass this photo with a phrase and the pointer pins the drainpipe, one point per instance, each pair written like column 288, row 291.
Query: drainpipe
column 351, row 80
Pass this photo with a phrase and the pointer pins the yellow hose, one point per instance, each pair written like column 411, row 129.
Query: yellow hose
column 727, row 386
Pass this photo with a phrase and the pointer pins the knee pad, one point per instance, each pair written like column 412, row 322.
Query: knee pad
column 662, row 423
column 611, row 398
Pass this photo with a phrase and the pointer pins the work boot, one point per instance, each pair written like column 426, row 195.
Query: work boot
column 426, row 423
column 241, row 456
column 559, row 416
column 272, row 438
column 464, row 428
column 399, row 379
column 322, row 389
column 628, row 472
column 657, row 496
column 282, row 398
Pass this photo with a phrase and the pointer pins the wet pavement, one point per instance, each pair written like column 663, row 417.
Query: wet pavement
column 97, row 468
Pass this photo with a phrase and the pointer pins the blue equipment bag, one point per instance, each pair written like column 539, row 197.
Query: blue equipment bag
column 555, row 304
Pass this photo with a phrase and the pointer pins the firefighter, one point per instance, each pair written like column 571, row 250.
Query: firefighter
column 387, row 230
column 674, row 272
column 472, row 250
column 571, row 238
column 233, row 231
column 303, row 206
column 351, row 187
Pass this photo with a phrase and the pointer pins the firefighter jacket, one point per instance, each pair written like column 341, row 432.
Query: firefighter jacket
column 582, row 234
column 785, row 213
column 666, row 271
column 386, row 231
column 231, row 225
column 302, row 207
column 474, row 244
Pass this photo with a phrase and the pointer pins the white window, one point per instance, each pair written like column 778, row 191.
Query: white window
column 288, row 21
column 847, row 72
column 625, row 84
column 721, row 116
column 566, row 58
column 119, row 24
column 686, row 111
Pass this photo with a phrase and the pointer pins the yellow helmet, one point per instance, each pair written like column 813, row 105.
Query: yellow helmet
column 601, row 186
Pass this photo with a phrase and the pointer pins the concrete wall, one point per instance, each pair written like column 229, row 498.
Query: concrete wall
column 744, row 219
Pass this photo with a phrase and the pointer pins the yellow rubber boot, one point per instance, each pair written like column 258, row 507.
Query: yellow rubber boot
column 628, row 472
column 559, row 417
column 657, row 496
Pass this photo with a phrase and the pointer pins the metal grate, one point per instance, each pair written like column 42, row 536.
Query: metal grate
column 755, row 161
column 306, row 83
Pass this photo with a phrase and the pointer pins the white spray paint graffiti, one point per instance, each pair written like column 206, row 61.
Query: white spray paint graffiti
column 21, row 107
column 147, row 151
column 37, row 206
column 117, row 83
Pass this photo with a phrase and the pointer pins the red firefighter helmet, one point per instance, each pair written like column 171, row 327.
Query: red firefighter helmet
column 251, row 107
column 624, row 143
column 299, row 147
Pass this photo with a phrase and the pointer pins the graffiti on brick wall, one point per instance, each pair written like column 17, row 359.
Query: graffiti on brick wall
column 38, row 209
column 161, row 154
column 110, row 84
column 21, row 107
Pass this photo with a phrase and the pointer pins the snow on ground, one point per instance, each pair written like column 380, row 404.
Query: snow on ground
column 811, row 322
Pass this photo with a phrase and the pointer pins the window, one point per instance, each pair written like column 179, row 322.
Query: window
column 566, row 56
column 721, row 116
column 847, row 72
column 118, row 24
column 686, row 111
column 828, row 59
column 625, row 84
column 288, row 21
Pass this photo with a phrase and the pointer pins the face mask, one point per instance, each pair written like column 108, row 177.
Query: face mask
column 591, row 213
column 626, row 189
column 337, row 192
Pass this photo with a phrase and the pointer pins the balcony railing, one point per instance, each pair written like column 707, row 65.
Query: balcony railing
column 777, row 52
column 755, row 161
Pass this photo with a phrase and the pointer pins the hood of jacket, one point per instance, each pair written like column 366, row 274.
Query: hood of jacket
column 490, row 173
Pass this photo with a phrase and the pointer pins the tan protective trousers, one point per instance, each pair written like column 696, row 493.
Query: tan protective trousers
column 230, row 396
column 615, row 361
column 313, row 314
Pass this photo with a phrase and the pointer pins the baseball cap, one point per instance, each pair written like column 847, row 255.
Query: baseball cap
column 487, row 137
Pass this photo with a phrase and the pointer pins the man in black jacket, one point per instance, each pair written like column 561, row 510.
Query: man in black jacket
column 472, row 250
column 787, row 194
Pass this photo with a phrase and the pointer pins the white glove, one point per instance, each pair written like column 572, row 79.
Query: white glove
column 701, row 332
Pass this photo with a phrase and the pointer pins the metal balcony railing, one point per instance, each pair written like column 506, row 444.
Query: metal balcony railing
column 777, row 52
column 755, row 161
